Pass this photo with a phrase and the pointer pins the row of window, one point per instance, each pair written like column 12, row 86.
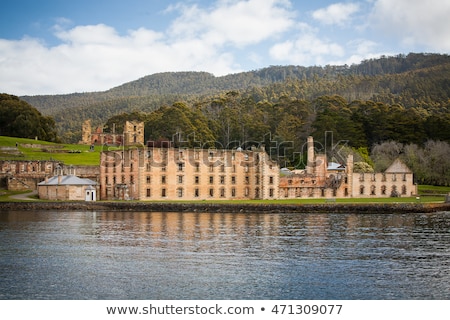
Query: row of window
column 181, row 179
column 197, row 155
column 115, row 180
column 383, row 177
column 212, row 192
column 383, row 190
column 197, row 167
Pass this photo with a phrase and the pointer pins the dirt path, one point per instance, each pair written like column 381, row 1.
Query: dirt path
column 25, row 196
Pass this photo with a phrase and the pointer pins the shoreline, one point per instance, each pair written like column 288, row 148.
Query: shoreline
column 226, row 207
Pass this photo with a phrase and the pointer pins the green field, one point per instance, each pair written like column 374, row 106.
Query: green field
column 75, row 154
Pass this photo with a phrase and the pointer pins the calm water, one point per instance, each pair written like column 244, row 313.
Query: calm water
column 139, row 255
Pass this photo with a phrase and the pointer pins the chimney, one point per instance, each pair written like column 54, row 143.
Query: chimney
column 311, row 157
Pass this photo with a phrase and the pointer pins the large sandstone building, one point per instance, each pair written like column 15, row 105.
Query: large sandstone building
column 157, row 173
column 323, row 179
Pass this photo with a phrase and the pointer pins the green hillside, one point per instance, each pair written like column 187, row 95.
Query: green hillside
column 414, row 80
column 12, row 148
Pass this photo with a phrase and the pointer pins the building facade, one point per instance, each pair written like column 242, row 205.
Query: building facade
column 187, row 174
column 67, row 187
column 20, row 175
column 322, row 179
column 133, row 133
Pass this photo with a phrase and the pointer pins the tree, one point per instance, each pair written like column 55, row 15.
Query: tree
column 20, row 119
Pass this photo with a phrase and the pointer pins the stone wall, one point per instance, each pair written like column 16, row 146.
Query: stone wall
column 228, row 207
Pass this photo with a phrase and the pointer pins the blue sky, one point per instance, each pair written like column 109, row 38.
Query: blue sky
column 54, row 47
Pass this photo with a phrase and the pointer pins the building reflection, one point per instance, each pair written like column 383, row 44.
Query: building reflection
column 182, row 228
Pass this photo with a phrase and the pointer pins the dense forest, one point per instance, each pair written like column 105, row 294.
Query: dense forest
column 400, row 101
column 20, row 119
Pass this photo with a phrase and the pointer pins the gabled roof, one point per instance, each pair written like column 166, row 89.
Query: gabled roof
column 67, row 180
column 398, row 167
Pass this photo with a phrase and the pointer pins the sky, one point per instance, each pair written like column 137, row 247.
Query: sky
column 59, row 47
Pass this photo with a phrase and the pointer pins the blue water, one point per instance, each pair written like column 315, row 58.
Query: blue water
column 140, row 255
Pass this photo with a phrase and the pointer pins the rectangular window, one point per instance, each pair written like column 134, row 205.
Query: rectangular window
column 163, row 179
column 180, row 179
column 163, row 192
column 180, row 166
column 148, row 179
column 222, row 179
column 211, row 179
column 196, row 179
column 149, row 193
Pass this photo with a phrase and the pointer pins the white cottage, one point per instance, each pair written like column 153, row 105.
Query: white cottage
column 67, row 187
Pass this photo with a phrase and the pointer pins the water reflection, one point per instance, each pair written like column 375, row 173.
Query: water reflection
column 193, row 255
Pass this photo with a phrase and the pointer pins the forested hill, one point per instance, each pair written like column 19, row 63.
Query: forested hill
column 413, row 80
column 203, row 83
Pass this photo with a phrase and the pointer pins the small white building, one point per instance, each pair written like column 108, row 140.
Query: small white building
column 67, row 187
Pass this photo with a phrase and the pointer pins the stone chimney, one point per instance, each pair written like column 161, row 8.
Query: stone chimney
column 311, row 157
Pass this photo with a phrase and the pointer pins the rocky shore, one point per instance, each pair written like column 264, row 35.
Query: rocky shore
column 226, row 207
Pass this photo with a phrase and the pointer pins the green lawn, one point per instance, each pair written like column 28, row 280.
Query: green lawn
column 426, row 189
column 79, row 154
column 426, row 199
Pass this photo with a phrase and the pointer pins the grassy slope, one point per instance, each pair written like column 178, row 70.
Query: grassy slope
column 84, row 157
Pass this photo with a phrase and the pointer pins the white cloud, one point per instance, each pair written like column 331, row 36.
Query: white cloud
column 233, row 22
column 338, row 13
column 306, row 49
column 415, row 22
column 97, row 57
